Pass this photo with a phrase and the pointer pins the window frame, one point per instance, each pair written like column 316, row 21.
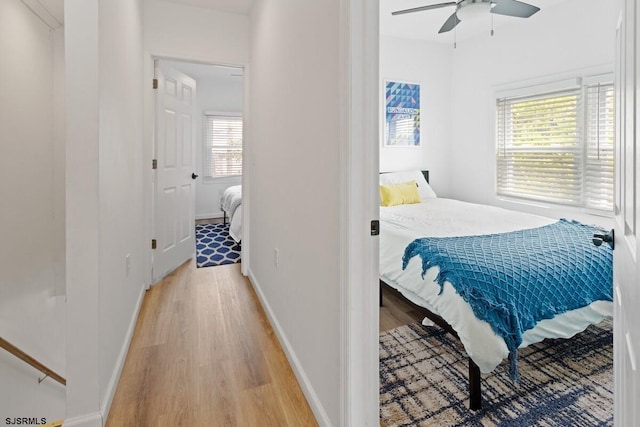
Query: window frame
column 549, row 87
column 205, row 146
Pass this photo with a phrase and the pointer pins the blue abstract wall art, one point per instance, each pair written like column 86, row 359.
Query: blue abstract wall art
column 402, row 114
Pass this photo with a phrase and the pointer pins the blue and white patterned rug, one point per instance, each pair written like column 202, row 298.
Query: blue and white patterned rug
column 214, row 246
column 423, row 381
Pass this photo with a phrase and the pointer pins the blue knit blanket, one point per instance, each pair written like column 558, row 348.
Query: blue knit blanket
column 513, row 280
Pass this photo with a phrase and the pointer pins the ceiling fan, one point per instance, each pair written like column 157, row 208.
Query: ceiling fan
column 468, row 8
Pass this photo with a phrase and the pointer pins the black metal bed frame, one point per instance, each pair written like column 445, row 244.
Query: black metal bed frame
column 475, row 389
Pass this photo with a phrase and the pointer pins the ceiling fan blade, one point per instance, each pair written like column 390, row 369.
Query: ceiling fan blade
column 514, row 8
column 421, row 8
column 449, row 24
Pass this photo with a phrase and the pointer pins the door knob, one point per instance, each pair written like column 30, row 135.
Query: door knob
column 605, row 237
column 193, row 175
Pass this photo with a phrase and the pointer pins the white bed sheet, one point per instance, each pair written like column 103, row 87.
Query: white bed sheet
column 231, row 199
column 235, row 225
column 440, row 217
column 231, row 203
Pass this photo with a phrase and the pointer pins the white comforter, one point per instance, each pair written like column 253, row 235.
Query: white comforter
column 231, row 199
column 231, row 203
column 445, row 217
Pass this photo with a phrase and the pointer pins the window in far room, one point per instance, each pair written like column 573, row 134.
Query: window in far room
column 222, row 146
column 557, row 146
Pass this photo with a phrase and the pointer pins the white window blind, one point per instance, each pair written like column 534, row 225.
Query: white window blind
column 557, row 147
column 222, row 146
column 600, row 135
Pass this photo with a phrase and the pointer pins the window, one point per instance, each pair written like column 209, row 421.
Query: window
column 222, row 146
column 557, row 146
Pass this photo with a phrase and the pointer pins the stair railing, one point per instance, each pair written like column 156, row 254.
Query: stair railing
column 32, row 362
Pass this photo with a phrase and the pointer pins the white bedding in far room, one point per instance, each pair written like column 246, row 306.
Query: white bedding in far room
column 235, row 226
column 438, row 217
column 231, row 204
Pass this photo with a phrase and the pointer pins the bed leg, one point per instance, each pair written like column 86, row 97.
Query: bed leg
column 475, row 394
column 380, row 283
column 224, row 218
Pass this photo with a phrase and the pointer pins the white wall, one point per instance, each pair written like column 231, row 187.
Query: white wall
column 82, row 231
column 31, row 313
column 122, row 221
column 293, row 171
column 105, row 201
column 556, row 40
column 428, row 64
column 59, row 129
column 183, row 32
column 216, row 91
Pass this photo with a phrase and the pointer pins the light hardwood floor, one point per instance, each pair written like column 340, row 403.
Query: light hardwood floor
column 204, row 354
column 397, row 311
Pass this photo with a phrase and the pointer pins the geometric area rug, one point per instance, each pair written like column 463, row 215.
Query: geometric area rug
column 563, row 382
column 214, row 246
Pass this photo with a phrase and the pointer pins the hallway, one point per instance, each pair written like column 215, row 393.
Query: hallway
column 204, row 353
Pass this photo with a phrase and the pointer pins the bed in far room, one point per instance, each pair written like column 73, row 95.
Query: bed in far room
column 433, row 251
column 231, row 205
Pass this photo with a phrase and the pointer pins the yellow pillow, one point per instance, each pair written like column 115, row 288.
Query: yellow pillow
column 399, row 194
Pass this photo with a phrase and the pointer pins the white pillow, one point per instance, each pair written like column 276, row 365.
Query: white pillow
column 426, row 192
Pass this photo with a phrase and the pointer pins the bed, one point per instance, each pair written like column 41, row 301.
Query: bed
column 423, row 285
column 231, row 205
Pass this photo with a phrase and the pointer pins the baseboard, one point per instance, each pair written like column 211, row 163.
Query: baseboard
column 117, row 370
column 301, row 376
column 216, row 215
column 88, row 420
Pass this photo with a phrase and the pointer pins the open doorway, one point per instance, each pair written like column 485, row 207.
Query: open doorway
column 207, row 211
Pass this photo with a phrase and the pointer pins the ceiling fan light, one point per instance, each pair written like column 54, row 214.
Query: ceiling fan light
column 473, row 10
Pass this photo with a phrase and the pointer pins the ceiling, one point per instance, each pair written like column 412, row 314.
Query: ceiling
column 420, row 25
column 425, row 25
column 51, row 12
column 233, row 6
column 55, row 8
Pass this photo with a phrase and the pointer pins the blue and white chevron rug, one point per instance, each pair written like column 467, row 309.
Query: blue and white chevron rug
column 214, row 246
column 424, row 371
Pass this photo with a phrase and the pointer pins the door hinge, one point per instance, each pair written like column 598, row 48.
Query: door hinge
column 154, row 164
column 155, row 83
column 154, row 243
column 375, row 227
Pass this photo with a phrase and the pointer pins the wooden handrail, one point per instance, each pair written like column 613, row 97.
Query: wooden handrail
column 54, row 424
column 31, row 361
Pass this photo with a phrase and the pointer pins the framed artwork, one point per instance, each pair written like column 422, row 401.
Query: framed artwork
column 401, row 114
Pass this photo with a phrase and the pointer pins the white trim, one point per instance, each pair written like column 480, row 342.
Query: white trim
column 222, row 180
column 213, row 215
column 122, row 356
column 359, row 204
column 602, row 78
column 148, row 186
column 549, row 84
column 303, row 380
column 222, row 113
column 87, row 420
column 245, row 235
column 556, row 77
column 539, row 89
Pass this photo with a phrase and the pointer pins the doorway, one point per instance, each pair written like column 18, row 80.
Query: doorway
column 210, row 164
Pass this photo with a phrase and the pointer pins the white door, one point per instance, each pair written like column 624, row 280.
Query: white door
column 174, row 208
column 626, row 342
